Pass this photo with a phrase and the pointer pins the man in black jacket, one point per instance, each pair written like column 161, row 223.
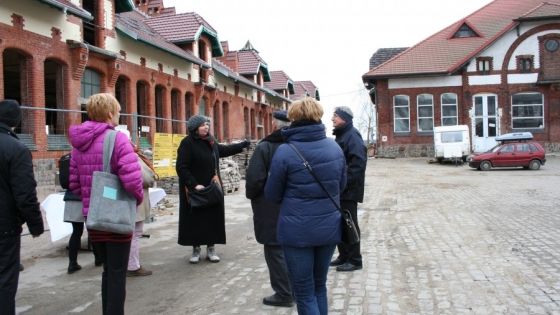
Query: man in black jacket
column 355, row 152
column 18, row 203
column 265, row 213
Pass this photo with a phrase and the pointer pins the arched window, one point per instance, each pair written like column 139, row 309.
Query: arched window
column 425, row 112
column 449, row 109
column 401, row 113
column 202, row 107
column 90, row 83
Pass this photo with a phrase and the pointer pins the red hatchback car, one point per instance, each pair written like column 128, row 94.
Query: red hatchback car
column 513, row 150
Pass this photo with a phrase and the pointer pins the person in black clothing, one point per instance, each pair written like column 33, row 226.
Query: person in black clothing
column 18, row 193
column 197, row 162
column 355, row 152
column 73, row 214
column 265, row 213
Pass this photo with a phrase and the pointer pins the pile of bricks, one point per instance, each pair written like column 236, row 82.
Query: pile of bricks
column 231, row 178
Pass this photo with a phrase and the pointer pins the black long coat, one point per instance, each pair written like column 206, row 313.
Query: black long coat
column 197, row 161
column 265, row 213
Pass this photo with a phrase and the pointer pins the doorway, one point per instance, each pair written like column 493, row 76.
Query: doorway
column 484, row 118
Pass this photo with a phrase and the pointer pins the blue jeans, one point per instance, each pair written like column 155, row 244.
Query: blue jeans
column 307, row 269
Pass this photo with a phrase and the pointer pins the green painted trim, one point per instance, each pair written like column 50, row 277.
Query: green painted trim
column 123, row 6
column 217, row 50
column 291, row 88
column 266, row 74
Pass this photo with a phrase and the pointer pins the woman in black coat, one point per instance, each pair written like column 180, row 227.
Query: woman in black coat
column 197, row 162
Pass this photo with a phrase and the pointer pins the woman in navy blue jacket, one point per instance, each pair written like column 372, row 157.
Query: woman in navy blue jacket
column 309, row 223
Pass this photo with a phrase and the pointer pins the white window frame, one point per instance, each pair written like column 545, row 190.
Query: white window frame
column 424, row 106
column 405, row 107
column 90, row 83
column 520, row 116
column 456, row 116
column 202, row 107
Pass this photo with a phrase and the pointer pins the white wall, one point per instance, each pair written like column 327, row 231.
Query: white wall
column 485, row 79
column 223, row 81
column 499, row 48
column 403, row 83
column 134, row 50
column 530, row 46
column 39, row 18
column 522, row 78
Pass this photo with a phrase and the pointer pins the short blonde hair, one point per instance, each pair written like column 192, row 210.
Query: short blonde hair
column 307, row 108
column 100, row 105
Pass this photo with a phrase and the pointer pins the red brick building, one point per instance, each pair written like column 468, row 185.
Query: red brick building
column 496, row 71
column 163, row 68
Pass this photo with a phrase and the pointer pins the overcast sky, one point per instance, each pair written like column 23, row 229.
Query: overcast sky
column 328, row 42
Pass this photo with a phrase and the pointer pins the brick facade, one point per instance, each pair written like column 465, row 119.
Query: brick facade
column 168, row 93
column 416, row 143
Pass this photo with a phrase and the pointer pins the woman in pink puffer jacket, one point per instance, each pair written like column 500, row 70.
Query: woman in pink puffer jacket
column 87, row 156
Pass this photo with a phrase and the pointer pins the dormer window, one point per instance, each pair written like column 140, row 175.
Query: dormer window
column 465, row 31
column 202, row 50
column 484, row 65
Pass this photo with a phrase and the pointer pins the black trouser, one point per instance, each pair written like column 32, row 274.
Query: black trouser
column 274, row 257
column 9, row 273
column 347, row 252
column 113, row 280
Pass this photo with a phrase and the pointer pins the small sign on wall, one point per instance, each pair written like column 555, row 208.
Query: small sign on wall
column 384, row 138
column 145, row 129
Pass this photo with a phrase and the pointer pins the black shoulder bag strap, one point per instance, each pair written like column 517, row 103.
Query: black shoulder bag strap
column 306, row 164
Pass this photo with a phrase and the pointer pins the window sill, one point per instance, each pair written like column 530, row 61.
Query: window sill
column 532, row 130
column 402, row 134
column 426, row 133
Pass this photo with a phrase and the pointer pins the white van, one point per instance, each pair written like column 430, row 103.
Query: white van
column 451, row 143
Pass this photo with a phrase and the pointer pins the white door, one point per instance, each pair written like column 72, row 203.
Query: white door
column 485, row 121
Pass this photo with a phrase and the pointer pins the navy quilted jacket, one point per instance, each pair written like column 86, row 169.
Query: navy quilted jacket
column 307, row 215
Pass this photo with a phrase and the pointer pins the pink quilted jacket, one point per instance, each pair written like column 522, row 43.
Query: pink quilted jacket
column 87, row 157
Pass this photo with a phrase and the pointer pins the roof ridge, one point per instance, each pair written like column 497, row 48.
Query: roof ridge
column 413, row 47
column 540, row 6
column 394, row 57
column 534, row 9
column 223, row 65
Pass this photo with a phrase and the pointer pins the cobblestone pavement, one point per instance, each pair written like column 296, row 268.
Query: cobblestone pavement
column 436, row 239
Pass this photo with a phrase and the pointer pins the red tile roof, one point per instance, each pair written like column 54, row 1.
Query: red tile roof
column 305, row 89
column 543, row 11
column 249, row 62
column 132, row 24
column 279, row 80
column 384, row 54
column 230, row 73
column 440, row 53
column 182, row 27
